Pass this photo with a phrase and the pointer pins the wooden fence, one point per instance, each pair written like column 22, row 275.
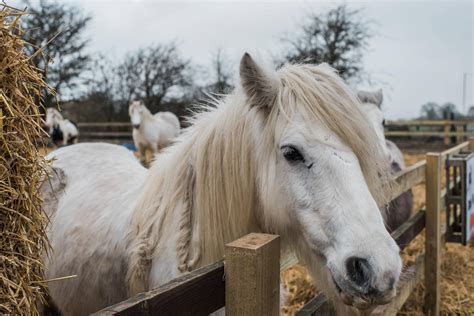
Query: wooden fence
column 112, row 132
column 248, row 283
column 450, row 131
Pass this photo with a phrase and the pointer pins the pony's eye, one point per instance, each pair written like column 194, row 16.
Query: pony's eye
column 292, row 154
column 383, row 123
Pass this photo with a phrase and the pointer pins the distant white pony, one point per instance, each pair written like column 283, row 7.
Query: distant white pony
column 289, row 152
column 60, row 130
column 152, row 131
column 399, row 210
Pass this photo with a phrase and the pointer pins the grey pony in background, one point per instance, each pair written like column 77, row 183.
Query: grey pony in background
column 399, row 209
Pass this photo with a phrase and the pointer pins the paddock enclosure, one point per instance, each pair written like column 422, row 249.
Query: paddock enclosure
column 247, row 280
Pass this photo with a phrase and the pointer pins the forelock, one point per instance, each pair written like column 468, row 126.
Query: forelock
column 319, row 94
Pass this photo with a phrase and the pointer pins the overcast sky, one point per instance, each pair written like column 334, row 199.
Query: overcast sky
column 419, row 54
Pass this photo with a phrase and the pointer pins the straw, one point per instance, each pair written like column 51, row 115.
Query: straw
column 23, row 241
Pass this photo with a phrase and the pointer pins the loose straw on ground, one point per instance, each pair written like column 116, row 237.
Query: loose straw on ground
column 22, row 222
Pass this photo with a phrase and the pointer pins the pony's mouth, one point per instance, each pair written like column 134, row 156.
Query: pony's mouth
column 360, row 301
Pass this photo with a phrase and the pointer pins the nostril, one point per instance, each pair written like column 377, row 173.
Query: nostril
column 391, row 283
column 359, row 270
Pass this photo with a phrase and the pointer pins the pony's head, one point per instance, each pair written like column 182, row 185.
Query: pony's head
column 52, row 118
column 319, row 173
column 137, row 110
column 289, row 152
column 372, row 108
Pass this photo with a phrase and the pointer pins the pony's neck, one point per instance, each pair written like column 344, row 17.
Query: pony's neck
column 57, row 118
column 57, row 122
column 206, row 183
column 146, row 114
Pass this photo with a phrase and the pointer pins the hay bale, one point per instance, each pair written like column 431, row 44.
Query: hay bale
column 22, row 222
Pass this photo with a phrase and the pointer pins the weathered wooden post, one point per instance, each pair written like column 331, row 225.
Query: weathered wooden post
column 471, row 143
column 452, row 128
column 460, row 132
column 252, row 269
column 447, row 127
column 433, row 234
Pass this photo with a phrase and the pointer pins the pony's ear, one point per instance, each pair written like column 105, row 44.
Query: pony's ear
column 259, row 86
column 379, row 96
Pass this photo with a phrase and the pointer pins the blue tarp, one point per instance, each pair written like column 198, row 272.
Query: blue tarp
column 130, row 147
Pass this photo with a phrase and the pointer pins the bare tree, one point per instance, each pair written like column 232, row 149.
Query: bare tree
column 59, row 28
column 449, row 111
column 221, row 72
column 470, row 112
column 431, row 111
column 434, row 111
column 154, row 73
column 103, row 87
column 338, row 37
column 129, row 74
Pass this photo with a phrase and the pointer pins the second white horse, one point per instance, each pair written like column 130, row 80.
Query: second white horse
column 150, row 131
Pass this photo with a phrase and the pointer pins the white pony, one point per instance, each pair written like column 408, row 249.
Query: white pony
column 372, row 107
column 289, row 152
column 152, row 131
column 399, row 210
column 61, row 130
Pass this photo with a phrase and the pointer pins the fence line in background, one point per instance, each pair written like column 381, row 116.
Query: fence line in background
column 449, row 131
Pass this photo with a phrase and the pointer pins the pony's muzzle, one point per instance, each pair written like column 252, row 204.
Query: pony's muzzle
column 136, row 126
column 361, row 287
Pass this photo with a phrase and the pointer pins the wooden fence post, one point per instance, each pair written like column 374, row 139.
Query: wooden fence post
column 471, row 143
column 252, row 269
column 460, row 129
column 433, row 234
column 447, row 127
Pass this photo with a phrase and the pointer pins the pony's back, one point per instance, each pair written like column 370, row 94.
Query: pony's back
column 170, row 118
column 91, row 195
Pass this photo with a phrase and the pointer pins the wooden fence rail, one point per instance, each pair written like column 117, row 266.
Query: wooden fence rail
column 116, row 132
column 199, row 292
column 449, row 131
column 248, row 284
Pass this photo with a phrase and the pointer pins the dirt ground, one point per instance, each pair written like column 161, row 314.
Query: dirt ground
column 457, row 272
